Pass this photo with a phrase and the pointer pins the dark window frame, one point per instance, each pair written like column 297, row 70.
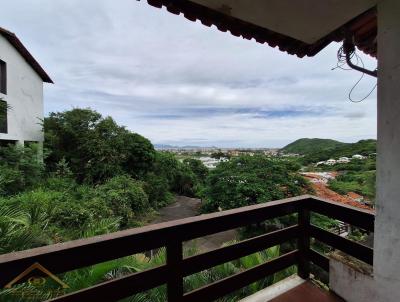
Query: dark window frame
column 3, row 77
column 3, row 117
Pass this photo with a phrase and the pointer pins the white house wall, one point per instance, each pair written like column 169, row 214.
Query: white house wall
column 24, row 95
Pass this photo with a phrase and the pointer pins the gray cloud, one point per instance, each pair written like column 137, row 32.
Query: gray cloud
column 177, row 81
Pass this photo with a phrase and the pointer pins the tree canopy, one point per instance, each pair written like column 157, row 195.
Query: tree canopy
column 95, row 147
column 250, row 180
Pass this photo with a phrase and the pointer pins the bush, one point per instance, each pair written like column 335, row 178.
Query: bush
column 359, row 182
column 181, row 179
column 185, row 181
column 198, row 168
column 157, row 189
column 61, row 184
column 71, row 215
column 124, row 196
column 94, row 147
column 11, row 180
column 20, row 168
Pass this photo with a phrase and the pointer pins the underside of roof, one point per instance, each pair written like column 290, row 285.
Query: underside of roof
column 301, row 28
column 14, row 41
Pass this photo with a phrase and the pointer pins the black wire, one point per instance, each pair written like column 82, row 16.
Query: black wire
column 359, row 59
column 341, row 57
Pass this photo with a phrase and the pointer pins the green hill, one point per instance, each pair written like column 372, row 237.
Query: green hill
column 306, row 146
column 317, row 149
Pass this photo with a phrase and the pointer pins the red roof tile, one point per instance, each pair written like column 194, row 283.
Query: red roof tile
column 363, row 27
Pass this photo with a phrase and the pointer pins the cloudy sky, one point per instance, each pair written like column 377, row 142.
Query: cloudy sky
column 181, row 83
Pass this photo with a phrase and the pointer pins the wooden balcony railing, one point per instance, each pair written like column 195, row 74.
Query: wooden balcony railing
column 72, row 255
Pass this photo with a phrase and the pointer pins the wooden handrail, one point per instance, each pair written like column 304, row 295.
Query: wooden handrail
column 62, row 257
column 81, row 253
column 225, row 254
column 225, row 286
column 352, row 248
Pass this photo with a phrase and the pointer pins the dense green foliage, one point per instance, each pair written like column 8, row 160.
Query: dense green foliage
column 97, row 177
column 44, row 216
column 305, row 146
column 363, row 147
column 362, row 183
column 314, row 150
column 180, row 177
column 20, row 168
column 197, row 167
column 250, row 180
column 95, row 147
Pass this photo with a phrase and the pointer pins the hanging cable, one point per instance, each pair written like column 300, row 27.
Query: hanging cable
column 349, row 50
column 359, row 59
column 346, row 53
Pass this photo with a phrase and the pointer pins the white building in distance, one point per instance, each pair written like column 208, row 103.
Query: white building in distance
column 358, row 156
column 21, row 92
column 343, row 160
column 330, row 162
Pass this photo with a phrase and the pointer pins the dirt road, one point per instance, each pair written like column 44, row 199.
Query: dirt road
column 185, row 207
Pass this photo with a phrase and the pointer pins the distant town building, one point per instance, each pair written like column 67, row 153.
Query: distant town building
column 330, row 162
column 343, row 160
column 358, row 156
column 211, row 162
column 319, row 177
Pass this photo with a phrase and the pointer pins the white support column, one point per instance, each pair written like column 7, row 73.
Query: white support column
column 384, row 285
column 387, row 225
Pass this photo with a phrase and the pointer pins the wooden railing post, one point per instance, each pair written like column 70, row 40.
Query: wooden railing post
column 174, row 268
column 304, row 243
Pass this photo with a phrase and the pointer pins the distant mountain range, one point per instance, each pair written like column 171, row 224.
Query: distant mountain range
column 317, row 149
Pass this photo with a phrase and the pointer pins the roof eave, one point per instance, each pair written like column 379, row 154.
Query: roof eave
column 239, row 28
column 17, row 44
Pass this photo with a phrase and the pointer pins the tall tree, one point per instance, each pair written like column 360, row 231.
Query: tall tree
column 95, row 147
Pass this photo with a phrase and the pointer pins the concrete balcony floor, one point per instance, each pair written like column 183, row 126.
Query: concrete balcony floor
column 293, row 289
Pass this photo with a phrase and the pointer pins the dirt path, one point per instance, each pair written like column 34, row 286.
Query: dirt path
column 185, row 207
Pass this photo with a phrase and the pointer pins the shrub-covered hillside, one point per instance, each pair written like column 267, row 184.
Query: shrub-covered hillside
column 96, row 177
column 315, row 149
column 305, row 146
column 363, row 147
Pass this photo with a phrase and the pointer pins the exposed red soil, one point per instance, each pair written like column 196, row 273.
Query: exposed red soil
column 322, row 191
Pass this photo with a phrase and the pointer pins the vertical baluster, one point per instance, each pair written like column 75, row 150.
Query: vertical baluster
column 304, row 243
column 175, row 278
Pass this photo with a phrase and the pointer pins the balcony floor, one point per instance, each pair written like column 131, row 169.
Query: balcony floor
column 293, row 289
column 307, row 292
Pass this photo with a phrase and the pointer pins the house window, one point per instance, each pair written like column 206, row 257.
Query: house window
column 3, row 117
column 3, row 77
